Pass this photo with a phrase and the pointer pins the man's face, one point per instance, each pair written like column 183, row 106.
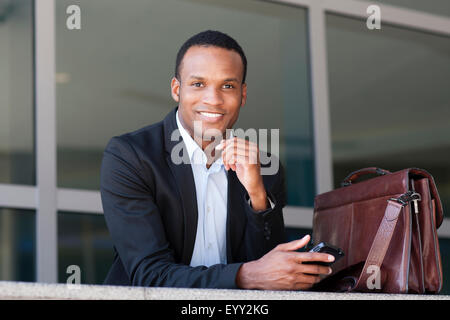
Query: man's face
column 210, row 88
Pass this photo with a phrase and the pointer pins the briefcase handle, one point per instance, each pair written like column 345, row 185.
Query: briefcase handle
column 358, row 173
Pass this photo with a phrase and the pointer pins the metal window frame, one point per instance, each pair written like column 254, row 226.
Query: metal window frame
column 47, row 199
column 45, row 117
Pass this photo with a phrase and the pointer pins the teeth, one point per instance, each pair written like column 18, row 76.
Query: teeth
column 211, row 115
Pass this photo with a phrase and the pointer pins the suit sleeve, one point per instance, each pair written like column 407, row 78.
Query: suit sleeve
column 265, row 229
column 137, row 231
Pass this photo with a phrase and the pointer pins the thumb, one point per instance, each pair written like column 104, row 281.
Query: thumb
column 294, row 245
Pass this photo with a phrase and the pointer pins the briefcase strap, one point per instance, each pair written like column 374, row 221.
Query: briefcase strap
column 382, row 239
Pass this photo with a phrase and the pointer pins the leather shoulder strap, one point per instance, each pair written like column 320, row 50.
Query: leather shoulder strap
column 380, row 243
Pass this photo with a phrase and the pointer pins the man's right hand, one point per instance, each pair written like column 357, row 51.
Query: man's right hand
column 282, row 268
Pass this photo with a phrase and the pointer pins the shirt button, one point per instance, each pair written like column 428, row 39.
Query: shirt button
column 208, row 209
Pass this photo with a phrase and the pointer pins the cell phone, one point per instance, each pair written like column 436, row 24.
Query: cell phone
column 324, row 247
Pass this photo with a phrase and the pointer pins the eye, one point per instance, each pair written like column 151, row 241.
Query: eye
column 197, row 84
column 228, row 86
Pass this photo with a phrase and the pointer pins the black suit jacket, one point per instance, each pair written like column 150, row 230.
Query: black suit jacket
column 150, row 207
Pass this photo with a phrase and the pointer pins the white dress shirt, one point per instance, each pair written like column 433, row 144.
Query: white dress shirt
column 211, row 186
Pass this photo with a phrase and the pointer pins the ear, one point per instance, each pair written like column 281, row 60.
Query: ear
column 175, row 89
column 244, row 94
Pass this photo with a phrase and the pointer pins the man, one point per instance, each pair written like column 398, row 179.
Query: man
column 212, row 220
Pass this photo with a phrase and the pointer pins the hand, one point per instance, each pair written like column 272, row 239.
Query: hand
column 282, row 268
column 242, row 156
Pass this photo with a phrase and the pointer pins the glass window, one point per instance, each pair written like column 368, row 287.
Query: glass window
column 16, row 93
column 439, row 7
column 389, row 100
column 84, row 241
column 113, row 76
column 17, row 245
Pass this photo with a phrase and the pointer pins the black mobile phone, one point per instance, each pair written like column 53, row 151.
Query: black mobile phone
column 324, row 247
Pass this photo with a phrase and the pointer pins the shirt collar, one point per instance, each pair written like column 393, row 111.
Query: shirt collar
column 196, row 154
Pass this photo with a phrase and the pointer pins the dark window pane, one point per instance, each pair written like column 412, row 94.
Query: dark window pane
column 444, row 244
column 17, row 245
column 84, row 241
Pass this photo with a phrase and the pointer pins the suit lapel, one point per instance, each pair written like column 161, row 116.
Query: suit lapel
column 235, row 215
column 186, row 186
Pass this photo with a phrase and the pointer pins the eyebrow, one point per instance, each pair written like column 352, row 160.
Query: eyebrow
column 231, row 80
column 225, row 80
column 197, row 77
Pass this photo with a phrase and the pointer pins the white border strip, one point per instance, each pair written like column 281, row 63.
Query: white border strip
column 46, row 217
column 79, row 201
column 18, row 196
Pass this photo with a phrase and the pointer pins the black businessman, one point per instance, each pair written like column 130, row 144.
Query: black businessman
column 211, row 221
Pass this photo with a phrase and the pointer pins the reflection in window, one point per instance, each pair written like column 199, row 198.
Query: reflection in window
column 16, row 93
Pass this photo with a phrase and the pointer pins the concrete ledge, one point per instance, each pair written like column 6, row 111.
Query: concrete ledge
column 27, row 290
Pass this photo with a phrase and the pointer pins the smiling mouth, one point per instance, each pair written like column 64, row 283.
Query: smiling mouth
column 211, row 115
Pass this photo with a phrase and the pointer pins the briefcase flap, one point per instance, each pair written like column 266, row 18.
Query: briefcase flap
column 391, row 184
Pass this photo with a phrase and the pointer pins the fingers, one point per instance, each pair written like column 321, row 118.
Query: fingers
column 283, row 268
column 233, row 160
column 315, row 269
column 231, row 157
column 237, row 143
column 309, row 275
column 238, row 151
column 311, row 269
column 294, row 245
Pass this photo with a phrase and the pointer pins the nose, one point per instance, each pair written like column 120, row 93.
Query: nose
column 212, row 97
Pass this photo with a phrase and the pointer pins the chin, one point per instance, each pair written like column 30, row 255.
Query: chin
column 212, row 131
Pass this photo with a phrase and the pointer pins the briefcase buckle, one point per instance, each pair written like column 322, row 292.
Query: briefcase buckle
column 407, row 197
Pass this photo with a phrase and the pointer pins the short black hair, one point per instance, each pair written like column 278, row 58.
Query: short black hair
column 211, row 38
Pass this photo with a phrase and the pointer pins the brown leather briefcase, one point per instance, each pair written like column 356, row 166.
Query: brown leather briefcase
column 387, row 228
